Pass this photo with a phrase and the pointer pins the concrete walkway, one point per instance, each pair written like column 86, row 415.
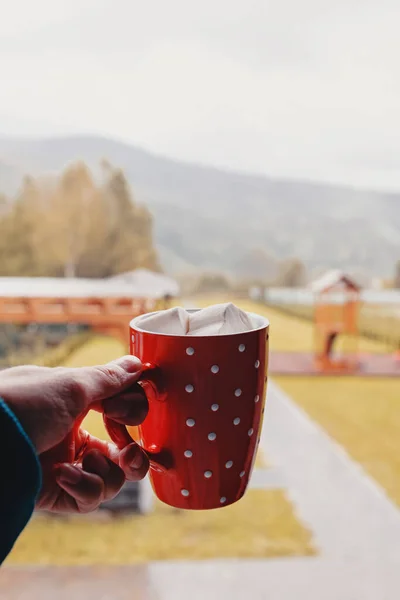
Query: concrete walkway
column 348, row 512
column 355, row 527
column 283, row 579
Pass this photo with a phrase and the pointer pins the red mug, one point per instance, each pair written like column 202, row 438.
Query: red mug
column 206, row 405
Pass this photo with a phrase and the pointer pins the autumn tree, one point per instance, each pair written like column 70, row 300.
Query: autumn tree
column 20, row 229
column 76, row 226
column 396, row 282
column 292, row 273
column 129, row 238
column 256, row 264
column 211, row 282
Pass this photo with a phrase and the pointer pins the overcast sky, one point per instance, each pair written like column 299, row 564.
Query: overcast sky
column 305, row 88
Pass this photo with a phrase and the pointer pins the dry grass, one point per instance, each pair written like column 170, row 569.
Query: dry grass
column 97, row 351
column 262, row 524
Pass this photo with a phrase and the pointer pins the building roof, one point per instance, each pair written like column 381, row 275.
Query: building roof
column 334, row 280
column 141, row 285
column 149, row 279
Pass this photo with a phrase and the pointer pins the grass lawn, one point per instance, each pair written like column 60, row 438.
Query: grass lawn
column 262, row 524
column 97, row 351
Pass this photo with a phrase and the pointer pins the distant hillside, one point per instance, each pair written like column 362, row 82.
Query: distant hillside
column 210, row 218
column 10, row 178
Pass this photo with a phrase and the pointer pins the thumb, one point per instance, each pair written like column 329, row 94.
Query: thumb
column 104, row 381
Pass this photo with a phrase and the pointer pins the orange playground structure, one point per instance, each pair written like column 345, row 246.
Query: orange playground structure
column 336, row 312
column 337, row 304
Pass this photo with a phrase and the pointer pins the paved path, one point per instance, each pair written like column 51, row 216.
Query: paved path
column 355, row 527
column 349, row 514
column 303, row 364
column 283, row 579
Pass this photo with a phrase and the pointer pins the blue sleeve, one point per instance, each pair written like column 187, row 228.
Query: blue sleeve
column 20, row 479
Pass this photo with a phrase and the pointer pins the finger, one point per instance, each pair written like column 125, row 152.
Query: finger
column 86, row 489
column 129, row 408
column 134, row 462
column 132, row 459
column 112, row 475
column 93, row 384
column 85, row 442
column 108, row 380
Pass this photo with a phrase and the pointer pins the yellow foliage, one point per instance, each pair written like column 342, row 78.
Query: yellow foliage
column 75, row 226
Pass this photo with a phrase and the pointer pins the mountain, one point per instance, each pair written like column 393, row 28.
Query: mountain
column 10, row 178
column 209, row 218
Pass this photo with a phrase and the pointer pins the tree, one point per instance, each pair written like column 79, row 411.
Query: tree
column 211, row 282
column 74, row 226
column 20, row 232
column 130, row 233
column 256, row 265
column 396, row 283
column 292, row 273
column 70, row 211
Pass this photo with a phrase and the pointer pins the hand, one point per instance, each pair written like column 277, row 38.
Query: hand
column 79, row 471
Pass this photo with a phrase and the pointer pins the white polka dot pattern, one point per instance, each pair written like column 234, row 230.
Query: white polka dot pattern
column 244, row 408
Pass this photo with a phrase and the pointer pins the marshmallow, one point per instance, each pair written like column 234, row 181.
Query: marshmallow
column 219, row 319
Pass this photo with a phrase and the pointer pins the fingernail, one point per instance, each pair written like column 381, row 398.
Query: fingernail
column 130, row 364
column 137, row 459
column 69, row 474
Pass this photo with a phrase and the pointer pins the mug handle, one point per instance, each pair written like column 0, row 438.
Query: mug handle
column 151, row 383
